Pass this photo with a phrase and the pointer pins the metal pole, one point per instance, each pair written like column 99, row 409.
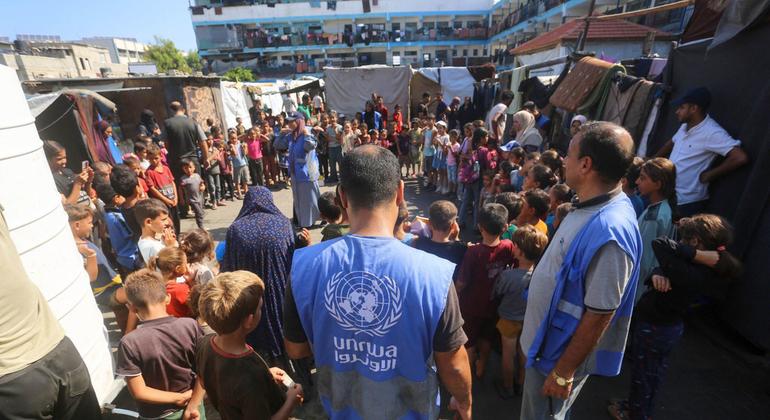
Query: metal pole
column 582, row 41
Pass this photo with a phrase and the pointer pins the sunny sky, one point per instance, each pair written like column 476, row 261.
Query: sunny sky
column 74, row 19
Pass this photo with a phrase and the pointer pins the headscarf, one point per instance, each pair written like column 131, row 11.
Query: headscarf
column 104, row 147
column 527, row 134
column 580, row 118
column 147, row 119
column 300, row 128
column 261, row 240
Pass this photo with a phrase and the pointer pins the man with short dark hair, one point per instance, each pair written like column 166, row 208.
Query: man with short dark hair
column 495, row 121
column 582, row 292
column 694, row 147
column 183, row 137
column 378, row 314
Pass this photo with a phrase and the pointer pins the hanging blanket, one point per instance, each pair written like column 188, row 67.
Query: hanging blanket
column 580, row 83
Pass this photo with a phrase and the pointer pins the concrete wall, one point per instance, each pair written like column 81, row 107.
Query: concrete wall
column 32, row 67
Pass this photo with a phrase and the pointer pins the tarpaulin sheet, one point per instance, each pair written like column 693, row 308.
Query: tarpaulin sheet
column 419, row 85
column 235, row 103
column 347, row 90
column 454, row 81
column 740, row 104
column 579, row 83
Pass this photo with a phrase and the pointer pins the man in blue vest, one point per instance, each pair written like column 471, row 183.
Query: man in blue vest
column 380, row 318
column 582, row 291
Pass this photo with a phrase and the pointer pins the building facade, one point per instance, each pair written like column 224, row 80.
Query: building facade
column 34, row 60
column 296, row 36
column 122, row 50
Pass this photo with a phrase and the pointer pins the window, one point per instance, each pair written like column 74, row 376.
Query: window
column 485, row 52
column 454, row 53
column 82, row 64
column 396, row 26
column 458, row 24
column 442, row 25
column 475, row 52
column 465, row 53
column 410, row 53
column 429, row 25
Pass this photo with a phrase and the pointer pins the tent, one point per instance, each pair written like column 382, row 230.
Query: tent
column 348, row 89
column 420, row 84
column 740, row 90
column 61, row 116
column 38, row 227
column 236, row 101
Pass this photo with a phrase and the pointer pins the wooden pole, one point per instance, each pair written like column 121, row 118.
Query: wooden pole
column 582, row 41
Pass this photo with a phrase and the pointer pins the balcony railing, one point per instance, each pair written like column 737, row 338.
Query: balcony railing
column 238, row 37
column 525, row 11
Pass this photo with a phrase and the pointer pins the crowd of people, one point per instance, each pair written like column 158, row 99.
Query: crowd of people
column 547, row 257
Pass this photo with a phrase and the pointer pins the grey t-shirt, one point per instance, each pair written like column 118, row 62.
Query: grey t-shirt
column 605, row 280
column 192, row 187
column 331, row 131
column 511, row 285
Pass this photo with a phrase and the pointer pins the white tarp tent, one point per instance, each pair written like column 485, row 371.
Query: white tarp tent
column 348, row 89
column 39, row 229
column 454, row 81
column 234, row 98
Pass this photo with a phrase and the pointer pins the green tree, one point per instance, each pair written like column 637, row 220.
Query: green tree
column 239, row 74
column 194, row 60
column 166, row 56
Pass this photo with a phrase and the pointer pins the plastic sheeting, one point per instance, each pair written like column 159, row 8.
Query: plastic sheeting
column 348, row 89
column 454, row 81
column 235, row 104
column 40, row 231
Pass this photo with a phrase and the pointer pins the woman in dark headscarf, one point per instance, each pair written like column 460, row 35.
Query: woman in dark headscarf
column 148, row 126
column 106, row 147
column 261, row 240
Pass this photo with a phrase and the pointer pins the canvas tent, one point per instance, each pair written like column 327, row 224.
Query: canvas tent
column 60, row 116
column 348, row 89
column 734, row 73
column 236, row 101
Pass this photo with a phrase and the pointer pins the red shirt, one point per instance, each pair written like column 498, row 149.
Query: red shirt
column 143, row 184
column 481, row 266
column 398, row 119
column 161, row 181
column 384, row 114
column 178, row 305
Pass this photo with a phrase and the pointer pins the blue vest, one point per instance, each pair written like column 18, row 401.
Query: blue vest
column 370, row 308
column 615, row 222
column 303, row 163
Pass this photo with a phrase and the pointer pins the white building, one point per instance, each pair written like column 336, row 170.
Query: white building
column 122, row 50
column 301, row 36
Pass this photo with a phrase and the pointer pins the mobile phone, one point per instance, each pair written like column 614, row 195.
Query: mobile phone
column 84, row 165
column 288, row 382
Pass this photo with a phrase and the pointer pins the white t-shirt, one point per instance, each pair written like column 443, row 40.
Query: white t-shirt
column 497, row 109
column 694, row 151
column 149, row 247
column 289, row 105
column 317, row 101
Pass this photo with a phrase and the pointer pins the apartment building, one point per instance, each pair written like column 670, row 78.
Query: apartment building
column 34, row 60
column 122, row 50
column 303, row 36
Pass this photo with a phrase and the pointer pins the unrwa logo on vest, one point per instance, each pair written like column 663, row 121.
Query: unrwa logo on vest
column 363, row 303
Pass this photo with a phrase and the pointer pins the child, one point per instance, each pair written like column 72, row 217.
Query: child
column 440, row 142
column 628, row 183
column 140, row 150
column 560, row 213
column 198, row 247
column 539, row 176
column 488, row 190
column 402, row 148
column 238, row 382
column 213, row 175
column 528, row 246
column 513, row 203
column 444, row 231
column 534, row 209
column 226, row 167
column 475, row 280
column 193, row 187
column 193, row 300
column 74, row 188
column 172, row 264
column 240, row 164
column 428, row 151
column 254, row 153
column 156, row 358
column 332, row 214
column 699, row 265
column 656, row 182
column 157, row 233
column 401, row 230
column 120, row 197
column 554, row 162
column 415, row 146
column 452, row 157
column 398, row 119
column 502, row 180
column 135, row 165
column 269, row 163
column 518, row 176
column 161, row 183
column 105, row 282
column 558, row 195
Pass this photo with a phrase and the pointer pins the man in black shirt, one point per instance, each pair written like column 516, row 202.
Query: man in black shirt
column 183, row 137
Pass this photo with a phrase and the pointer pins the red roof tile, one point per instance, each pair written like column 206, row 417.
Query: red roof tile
column 601, row 29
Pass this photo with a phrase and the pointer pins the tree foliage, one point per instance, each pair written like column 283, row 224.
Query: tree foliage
column 239, row 74
column 166, row 56
column 194, row 60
